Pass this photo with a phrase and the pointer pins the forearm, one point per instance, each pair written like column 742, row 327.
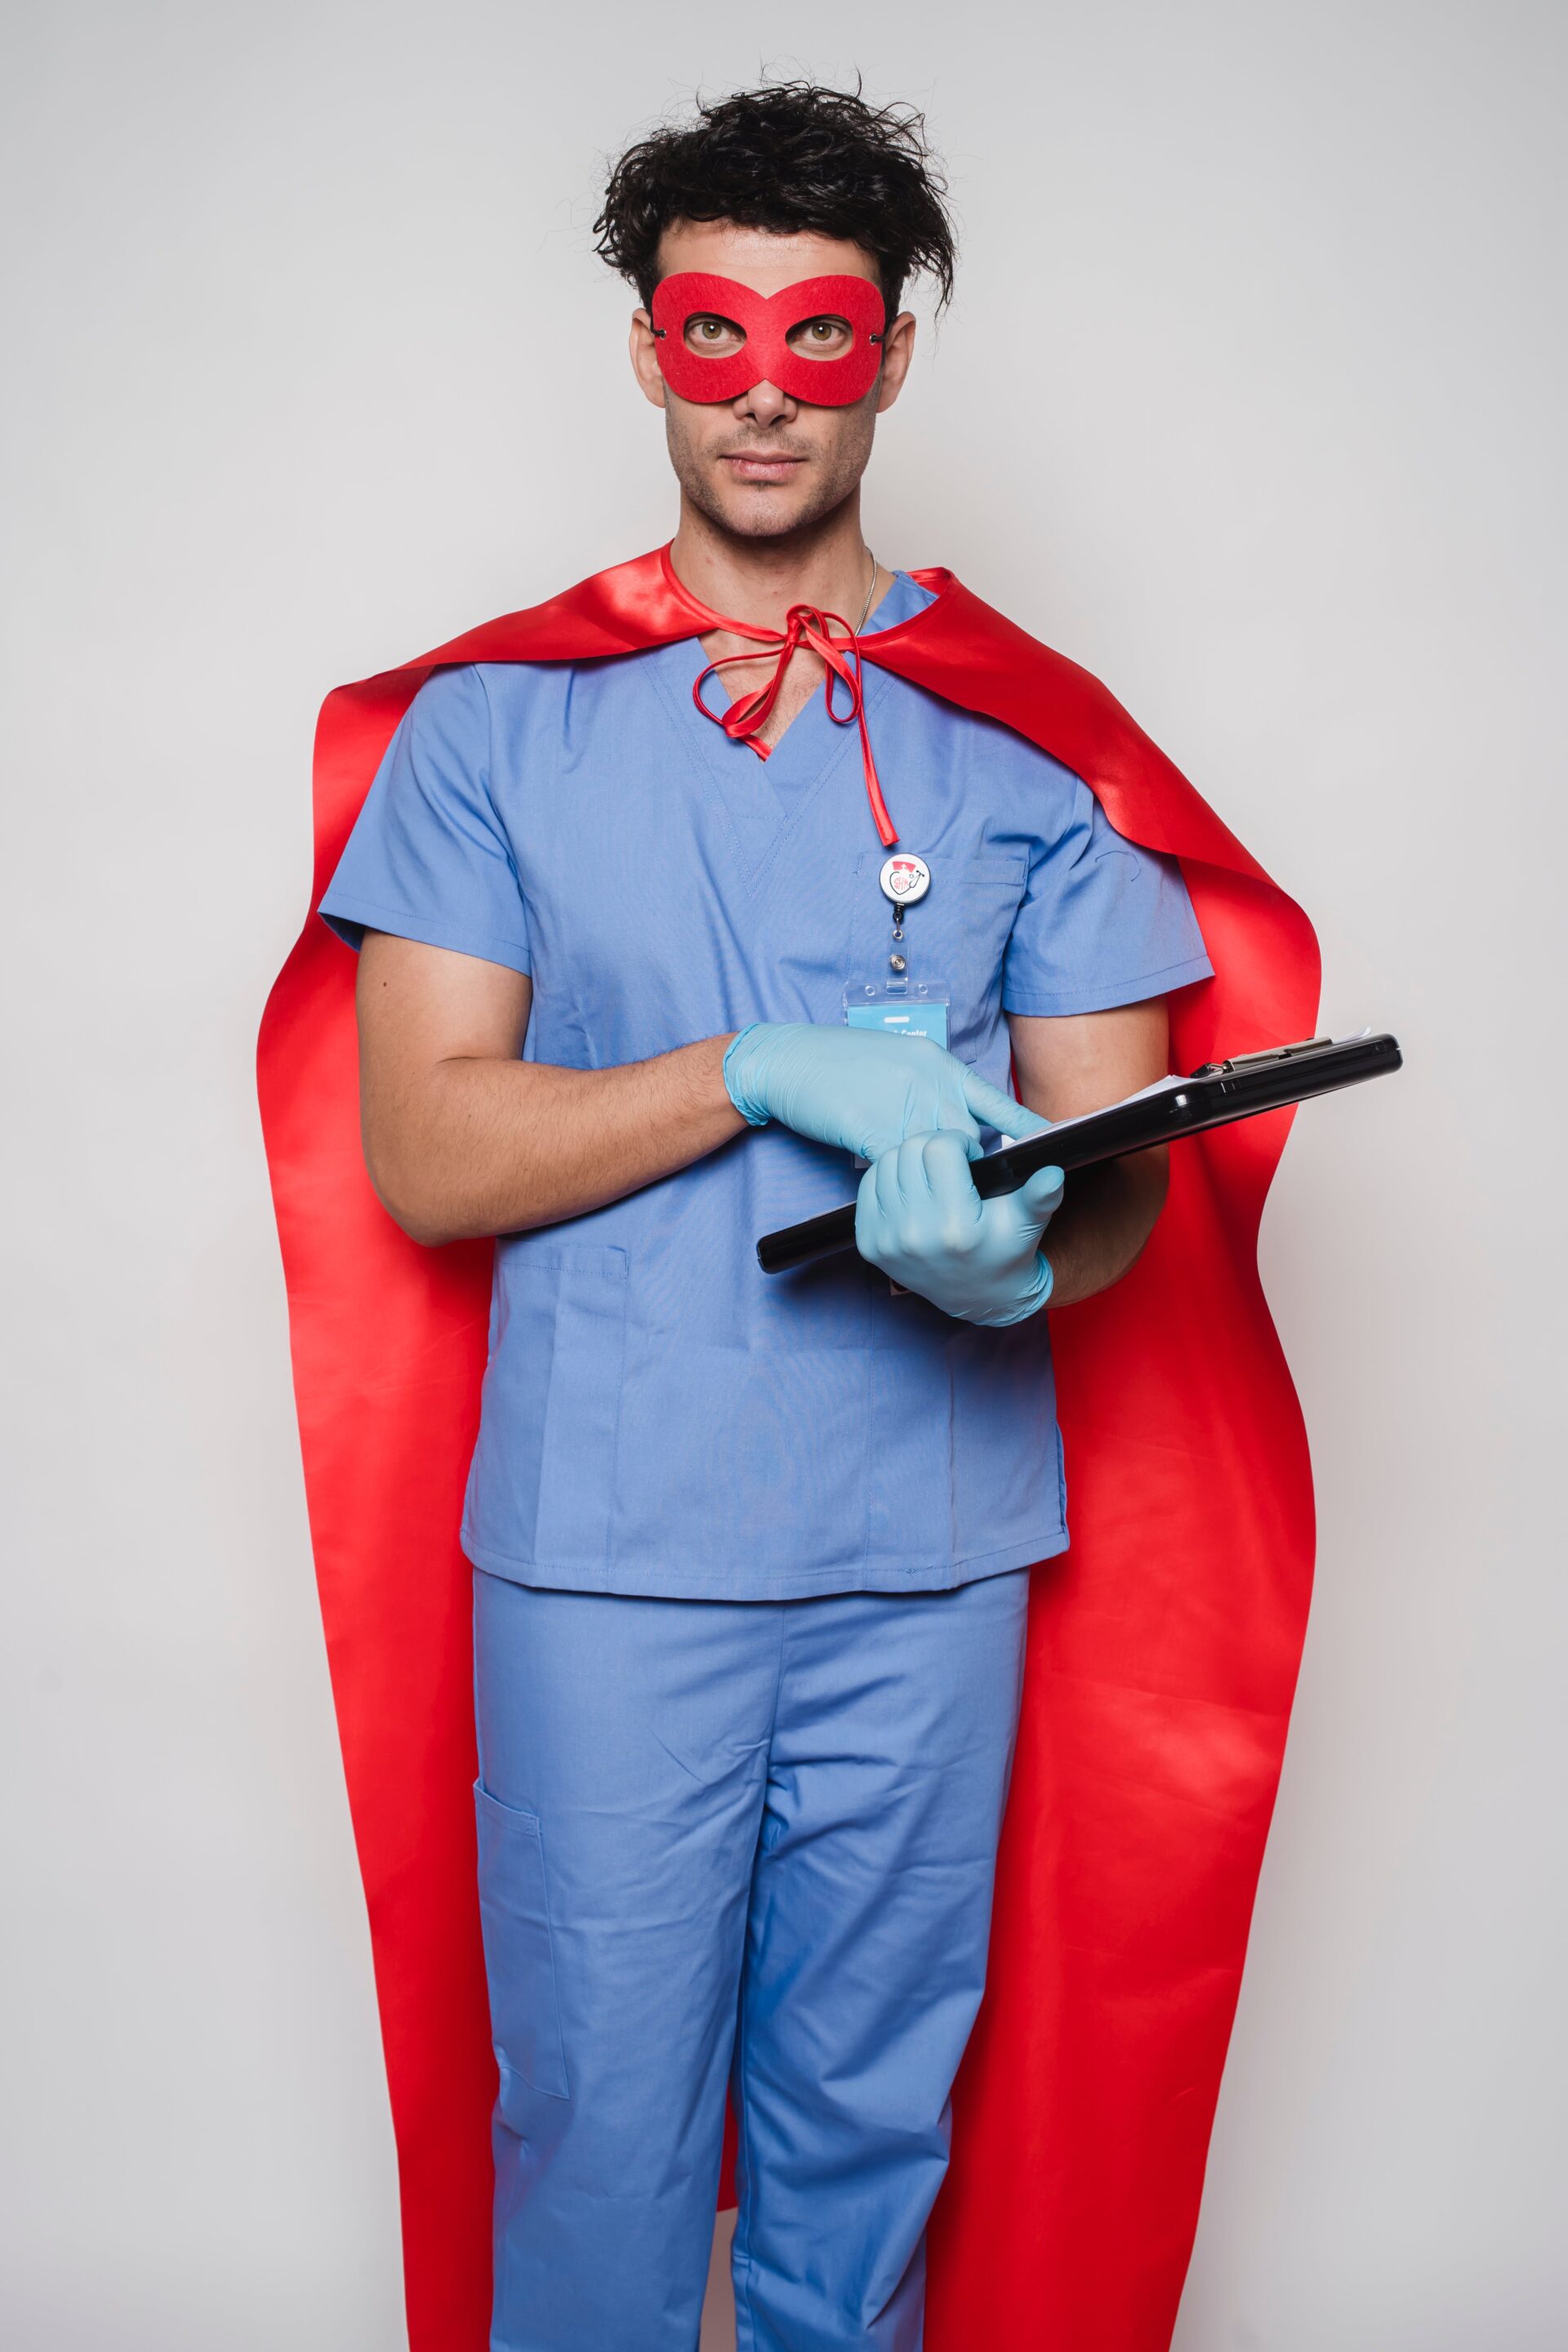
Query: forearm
column 1107, row 1215
column 1078, row 1063
column 481, row 1145
column 464, row 1138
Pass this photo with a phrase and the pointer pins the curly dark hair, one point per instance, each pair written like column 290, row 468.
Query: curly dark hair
column 786, row 156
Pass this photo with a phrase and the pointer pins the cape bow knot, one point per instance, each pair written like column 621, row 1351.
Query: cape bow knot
column 809, row 626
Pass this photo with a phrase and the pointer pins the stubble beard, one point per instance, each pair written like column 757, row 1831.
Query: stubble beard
column 761, row 510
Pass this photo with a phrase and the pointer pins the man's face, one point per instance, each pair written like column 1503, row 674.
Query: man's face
column 764, row 463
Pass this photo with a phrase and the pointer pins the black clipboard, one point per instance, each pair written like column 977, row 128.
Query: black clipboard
column 1214, row 1096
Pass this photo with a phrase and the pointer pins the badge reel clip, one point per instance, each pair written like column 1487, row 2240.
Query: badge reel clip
column 904, row 1004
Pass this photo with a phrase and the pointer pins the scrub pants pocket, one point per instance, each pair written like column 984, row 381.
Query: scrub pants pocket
column 519, row 1954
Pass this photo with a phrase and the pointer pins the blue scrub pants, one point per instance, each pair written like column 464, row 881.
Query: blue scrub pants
column 742, row 1840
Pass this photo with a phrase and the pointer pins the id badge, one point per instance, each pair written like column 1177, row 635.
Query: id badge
column 905, row 1008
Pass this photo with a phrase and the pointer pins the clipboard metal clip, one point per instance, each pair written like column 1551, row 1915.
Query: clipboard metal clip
column 1269, row 1054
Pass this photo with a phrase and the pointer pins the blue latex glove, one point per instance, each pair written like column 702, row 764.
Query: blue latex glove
column 862, row 1088
column 919, row 1218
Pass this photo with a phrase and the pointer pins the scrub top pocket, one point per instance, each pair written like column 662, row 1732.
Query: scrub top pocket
column 956, row 937
column 520, row 1953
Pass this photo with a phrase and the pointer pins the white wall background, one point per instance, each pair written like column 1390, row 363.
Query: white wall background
column 1252, row 400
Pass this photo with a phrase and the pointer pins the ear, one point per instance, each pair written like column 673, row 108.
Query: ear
column 898, row 350
column 645, row 357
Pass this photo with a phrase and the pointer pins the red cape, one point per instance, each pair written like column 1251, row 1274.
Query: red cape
column 1163, row 1647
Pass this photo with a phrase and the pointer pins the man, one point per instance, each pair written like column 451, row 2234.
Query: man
column 639, row 980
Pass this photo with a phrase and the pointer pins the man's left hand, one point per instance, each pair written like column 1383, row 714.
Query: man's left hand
column 919, row 1218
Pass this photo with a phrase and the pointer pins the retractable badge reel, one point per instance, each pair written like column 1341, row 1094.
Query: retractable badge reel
column 906, row 1000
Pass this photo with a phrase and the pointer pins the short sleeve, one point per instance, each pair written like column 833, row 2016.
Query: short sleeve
column 1103, row 922
column 428, row 858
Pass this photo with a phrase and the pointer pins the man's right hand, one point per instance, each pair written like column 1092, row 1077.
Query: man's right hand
column 863, row 1089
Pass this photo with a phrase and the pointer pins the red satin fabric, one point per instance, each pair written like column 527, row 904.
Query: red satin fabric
column 1162, row 1647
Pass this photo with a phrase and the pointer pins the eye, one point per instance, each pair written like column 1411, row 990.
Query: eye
column 713, row 336
column 822, row 339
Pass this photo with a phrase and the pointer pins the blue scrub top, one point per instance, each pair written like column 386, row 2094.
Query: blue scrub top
column 658, row 1415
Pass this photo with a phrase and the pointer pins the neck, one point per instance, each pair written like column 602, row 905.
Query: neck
column 827, row 564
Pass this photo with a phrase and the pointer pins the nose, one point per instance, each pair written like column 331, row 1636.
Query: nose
column 764, row 404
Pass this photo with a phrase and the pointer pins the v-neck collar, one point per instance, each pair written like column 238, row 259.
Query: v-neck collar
column 763, row 800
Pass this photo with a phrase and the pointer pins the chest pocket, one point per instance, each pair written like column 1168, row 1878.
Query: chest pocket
column 956, row 937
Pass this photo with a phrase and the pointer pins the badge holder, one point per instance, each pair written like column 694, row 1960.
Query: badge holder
column 903, row 1006
column 907, row 1008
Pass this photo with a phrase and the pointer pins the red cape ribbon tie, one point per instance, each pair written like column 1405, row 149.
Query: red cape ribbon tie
column 804, row 624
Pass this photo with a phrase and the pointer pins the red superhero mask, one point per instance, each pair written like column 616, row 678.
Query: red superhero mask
column 765, row 355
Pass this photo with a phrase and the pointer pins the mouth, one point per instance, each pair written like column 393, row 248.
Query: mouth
column 760, row 465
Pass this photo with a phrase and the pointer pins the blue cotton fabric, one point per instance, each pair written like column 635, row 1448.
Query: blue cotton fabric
column 753, row 1844
column 660, row 1417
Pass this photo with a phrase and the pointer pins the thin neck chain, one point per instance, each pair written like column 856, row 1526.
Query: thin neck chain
column 870, row 591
